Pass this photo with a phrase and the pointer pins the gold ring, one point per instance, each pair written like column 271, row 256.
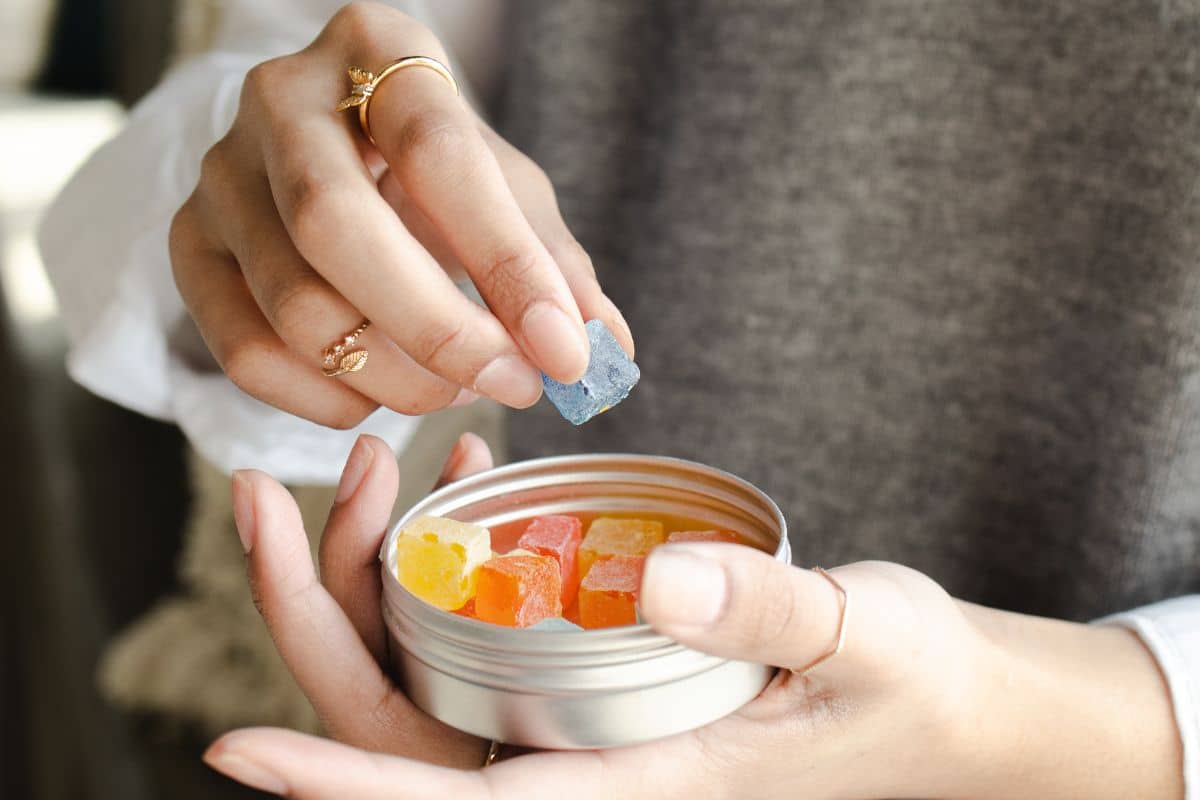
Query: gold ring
column 340, row 358
column 365, row 83
column 492, row 754
column 841, row 628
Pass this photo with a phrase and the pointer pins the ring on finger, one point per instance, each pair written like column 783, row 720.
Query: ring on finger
column 840, row 639
column 366, row 82
column 343, row 357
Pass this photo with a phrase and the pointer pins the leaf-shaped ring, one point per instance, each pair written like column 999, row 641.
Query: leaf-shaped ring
column 364, row 83
column 340, row 358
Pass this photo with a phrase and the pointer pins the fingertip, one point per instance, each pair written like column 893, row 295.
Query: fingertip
column 684, row 586
column 557, row 341
column 477, row 454
column 469, row 455
column 228, row 756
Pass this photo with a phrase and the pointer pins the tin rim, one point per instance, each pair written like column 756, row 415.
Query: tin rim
column 481, row 650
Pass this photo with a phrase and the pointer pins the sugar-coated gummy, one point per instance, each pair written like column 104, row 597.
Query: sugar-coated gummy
column 609, row 536
column 518, row 590
column 557, row 536
column 437, row 559
column 608, row 594
column 610, row 376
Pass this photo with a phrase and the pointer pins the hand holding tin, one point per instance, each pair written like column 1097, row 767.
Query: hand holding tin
column 330, row 630
column 929, row 697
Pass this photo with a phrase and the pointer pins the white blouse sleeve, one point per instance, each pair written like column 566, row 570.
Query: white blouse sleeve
column 104, row 242
column 1171, row 631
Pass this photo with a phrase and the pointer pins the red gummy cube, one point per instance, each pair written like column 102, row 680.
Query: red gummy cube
column 557, row 536
column 518, row 590
column 608, row 594
column 704, row 536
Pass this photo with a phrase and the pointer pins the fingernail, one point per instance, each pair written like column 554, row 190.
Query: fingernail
column 464, row 398
column 558, row 344
column 245, row 771
column 680, row 587
column 511, row 381
column 357, row 464
column 243, row 508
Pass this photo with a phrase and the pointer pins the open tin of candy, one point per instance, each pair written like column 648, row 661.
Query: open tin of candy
column 575, row 689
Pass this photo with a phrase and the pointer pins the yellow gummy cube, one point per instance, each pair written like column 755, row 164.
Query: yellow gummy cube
column 438, row 559
column 609, row 536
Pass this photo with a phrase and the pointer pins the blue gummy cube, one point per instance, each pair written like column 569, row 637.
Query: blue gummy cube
column 555, row 624
column 609, row 377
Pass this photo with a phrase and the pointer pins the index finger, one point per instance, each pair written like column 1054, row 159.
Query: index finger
column 432, row 143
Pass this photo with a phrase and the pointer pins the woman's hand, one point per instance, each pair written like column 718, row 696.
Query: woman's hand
column 299, row 229
column 930, row 697
column 330, row 630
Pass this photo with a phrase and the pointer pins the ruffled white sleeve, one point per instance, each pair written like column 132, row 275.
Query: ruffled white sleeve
column 104, row 242
column 1171, row 631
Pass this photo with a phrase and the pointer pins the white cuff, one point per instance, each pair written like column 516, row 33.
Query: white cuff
column 1171, row 631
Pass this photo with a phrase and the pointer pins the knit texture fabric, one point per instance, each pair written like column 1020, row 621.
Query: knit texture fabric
column 925, row 272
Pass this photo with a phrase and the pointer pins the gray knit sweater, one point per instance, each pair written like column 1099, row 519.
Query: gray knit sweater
column 925, row 271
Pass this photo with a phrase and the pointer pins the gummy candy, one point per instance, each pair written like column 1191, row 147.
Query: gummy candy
column 608, row 594
column 610, row 376
column 704, row 536
column 518, row 590
column 437, row 559
column 609, row 536
column 557, row 536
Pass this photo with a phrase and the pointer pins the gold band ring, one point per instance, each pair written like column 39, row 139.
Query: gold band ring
column 841, row 627
column 340, row 358
column 492, row 754
column 365, row 83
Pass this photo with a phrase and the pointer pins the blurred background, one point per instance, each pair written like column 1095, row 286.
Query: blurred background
column 87, row 484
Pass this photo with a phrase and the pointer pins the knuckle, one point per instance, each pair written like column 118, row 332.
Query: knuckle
column 263, row 80
column 350, row 415
column 531, row 173
column 771, row 613
column 216, row 165
column 438, row 341
column 362, row 21
column 313, row 206
column 296, row 304
column 243, row 360
column 429, row 399
column 357, row 18
column 182, row 237
column 508, row 276
column 434, row 139
column 569, row 253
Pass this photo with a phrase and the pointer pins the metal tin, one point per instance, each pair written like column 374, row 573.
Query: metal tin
column 567, row 689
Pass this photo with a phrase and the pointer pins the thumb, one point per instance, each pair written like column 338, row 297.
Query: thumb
column 737, row 602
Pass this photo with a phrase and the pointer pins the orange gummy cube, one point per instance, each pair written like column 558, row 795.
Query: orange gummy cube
column 557, row 536
column 609, row 591
column 518, row 590
column 704, row 536
column 609, row 536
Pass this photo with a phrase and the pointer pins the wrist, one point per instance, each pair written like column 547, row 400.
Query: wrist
column 1068, row 710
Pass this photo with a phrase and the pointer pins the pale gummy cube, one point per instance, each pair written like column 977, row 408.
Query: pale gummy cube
column 475, row 540
column 610, row 376
column 555, row 624
column 437, row 559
